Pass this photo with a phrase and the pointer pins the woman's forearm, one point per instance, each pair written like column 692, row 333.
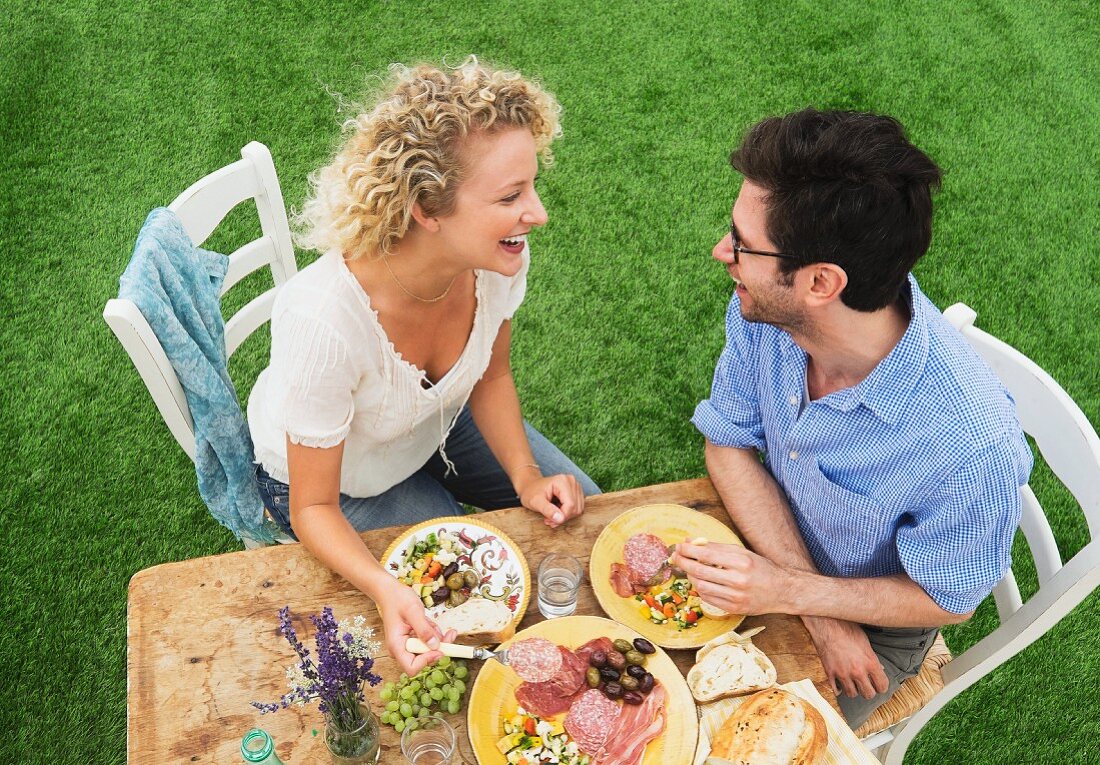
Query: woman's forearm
column 326, row 533
column 494, row 405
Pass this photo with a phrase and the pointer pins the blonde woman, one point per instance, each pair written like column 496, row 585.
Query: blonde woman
column 389, row 397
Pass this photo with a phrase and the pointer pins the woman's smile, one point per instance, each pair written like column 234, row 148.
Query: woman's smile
column 514, row 244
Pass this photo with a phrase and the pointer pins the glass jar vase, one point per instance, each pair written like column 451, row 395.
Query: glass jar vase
column 353, row 738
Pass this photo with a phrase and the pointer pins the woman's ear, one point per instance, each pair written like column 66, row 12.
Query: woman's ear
column 423, row 219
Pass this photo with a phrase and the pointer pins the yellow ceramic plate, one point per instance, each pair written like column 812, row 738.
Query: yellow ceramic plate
column 493, row 696
column 672, row 523
column 503, row 569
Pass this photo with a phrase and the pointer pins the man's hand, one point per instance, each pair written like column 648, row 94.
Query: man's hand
column 734, row 579
column 849, row 660
column 557, row 498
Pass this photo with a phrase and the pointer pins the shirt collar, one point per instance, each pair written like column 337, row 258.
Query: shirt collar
column 886, row 391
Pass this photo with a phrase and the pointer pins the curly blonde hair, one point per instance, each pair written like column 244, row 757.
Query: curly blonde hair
column 408, row 149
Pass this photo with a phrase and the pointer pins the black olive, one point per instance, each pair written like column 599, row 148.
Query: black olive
column 633, row 697
column 440, row 595
column 597, row 659
column 645, row 683
column 616, row 660
column 613, row 690
column 644, row 646
column 636, row 671
column 451, row 569
column 610, row 674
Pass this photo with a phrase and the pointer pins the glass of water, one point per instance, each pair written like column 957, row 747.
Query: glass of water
column 559, row 581
column 432, row 742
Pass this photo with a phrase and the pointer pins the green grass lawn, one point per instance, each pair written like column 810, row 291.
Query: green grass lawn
column 110, row 109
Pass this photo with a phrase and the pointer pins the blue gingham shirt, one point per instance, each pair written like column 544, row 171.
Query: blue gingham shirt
column 916, row 469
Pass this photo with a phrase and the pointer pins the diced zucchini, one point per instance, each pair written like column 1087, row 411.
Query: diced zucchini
column 510, row 742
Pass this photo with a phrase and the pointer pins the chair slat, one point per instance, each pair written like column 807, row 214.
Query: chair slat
column 247, row 320
column 1040, row 538
column 207, row 201
column 1007, row 596
column 251, row 257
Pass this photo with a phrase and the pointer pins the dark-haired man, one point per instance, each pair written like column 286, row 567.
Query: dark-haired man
column 888, row 496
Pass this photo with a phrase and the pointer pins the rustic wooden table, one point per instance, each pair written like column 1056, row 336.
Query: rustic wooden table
column 203, row 639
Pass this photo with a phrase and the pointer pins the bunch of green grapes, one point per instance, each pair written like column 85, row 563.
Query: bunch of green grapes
column 438, row 687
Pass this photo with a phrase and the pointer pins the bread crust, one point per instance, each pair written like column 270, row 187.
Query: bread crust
column 749, row 735
column 724, row 670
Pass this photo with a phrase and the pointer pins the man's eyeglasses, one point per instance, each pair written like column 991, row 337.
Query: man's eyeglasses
column 735, row 240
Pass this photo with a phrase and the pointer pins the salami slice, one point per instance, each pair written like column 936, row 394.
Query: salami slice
column 590, row 719
column 644, row 555
column 542, row 699
column 535, row 660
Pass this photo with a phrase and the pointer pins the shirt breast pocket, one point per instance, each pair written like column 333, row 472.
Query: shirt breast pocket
column 845, row 519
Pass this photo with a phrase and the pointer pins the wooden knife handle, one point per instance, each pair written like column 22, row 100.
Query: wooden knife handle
column 454, row 650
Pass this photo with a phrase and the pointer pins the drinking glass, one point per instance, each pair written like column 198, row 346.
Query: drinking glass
column 432, row 742
column 559, row 580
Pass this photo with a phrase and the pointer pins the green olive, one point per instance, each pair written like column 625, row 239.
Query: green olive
column 470, row 578
column 635, row 657
column 628, row 683
column 622, row 646
column 457, row 598
column 455, row 582
column 592, row 677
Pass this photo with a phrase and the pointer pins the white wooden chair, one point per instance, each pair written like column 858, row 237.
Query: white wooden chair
column 1071, row 448
column 201, row 208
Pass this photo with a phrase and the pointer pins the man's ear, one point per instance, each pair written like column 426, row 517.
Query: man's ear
column 423, row 219
column 828, row 280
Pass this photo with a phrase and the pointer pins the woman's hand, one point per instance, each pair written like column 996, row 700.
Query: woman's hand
column 403, row 616
column 557, row 498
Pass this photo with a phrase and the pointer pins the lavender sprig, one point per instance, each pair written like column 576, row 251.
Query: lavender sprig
column 345, row 658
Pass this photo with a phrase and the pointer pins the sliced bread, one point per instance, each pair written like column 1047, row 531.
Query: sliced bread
column 478, row 621
column 713, row 612
column 730, row 669
column 772, row 727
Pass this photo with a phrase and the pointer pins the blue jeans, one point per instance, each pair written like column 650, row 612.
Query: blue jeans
column 478, row 480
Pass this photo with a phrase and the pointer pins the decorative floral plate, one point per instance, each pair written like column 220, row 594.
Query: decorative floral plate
column 502, row 572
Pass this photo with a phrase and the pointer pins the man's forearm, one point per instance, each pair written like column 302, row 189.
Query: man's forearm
column 757, row 506
column 884, row 601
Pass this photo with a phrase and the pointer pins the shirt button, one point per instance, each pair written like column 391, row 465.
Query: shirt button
column 793, row 400
column 794, row 455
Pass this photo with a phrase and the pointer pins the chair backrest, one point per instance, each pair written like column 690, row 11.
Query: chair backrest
column 1071, row 448
column 201, row 208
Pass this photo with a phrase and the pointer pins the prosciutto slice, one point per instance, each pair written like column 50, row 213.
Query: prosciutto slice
column 635, row 727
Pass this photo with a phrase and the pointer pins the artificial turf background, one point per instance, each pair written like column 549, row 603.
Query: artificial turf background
column 110, row 109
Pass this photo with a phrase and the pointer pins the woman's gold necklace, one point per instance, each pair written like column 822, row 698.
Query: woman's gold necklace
column 414, row 296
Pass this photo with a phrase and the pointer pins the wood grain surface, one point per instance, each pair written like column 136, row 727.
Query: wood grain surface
column 203, row 638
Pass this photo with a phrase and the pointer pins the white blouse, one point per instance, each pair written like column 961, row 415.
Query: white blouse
column 335, row 376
